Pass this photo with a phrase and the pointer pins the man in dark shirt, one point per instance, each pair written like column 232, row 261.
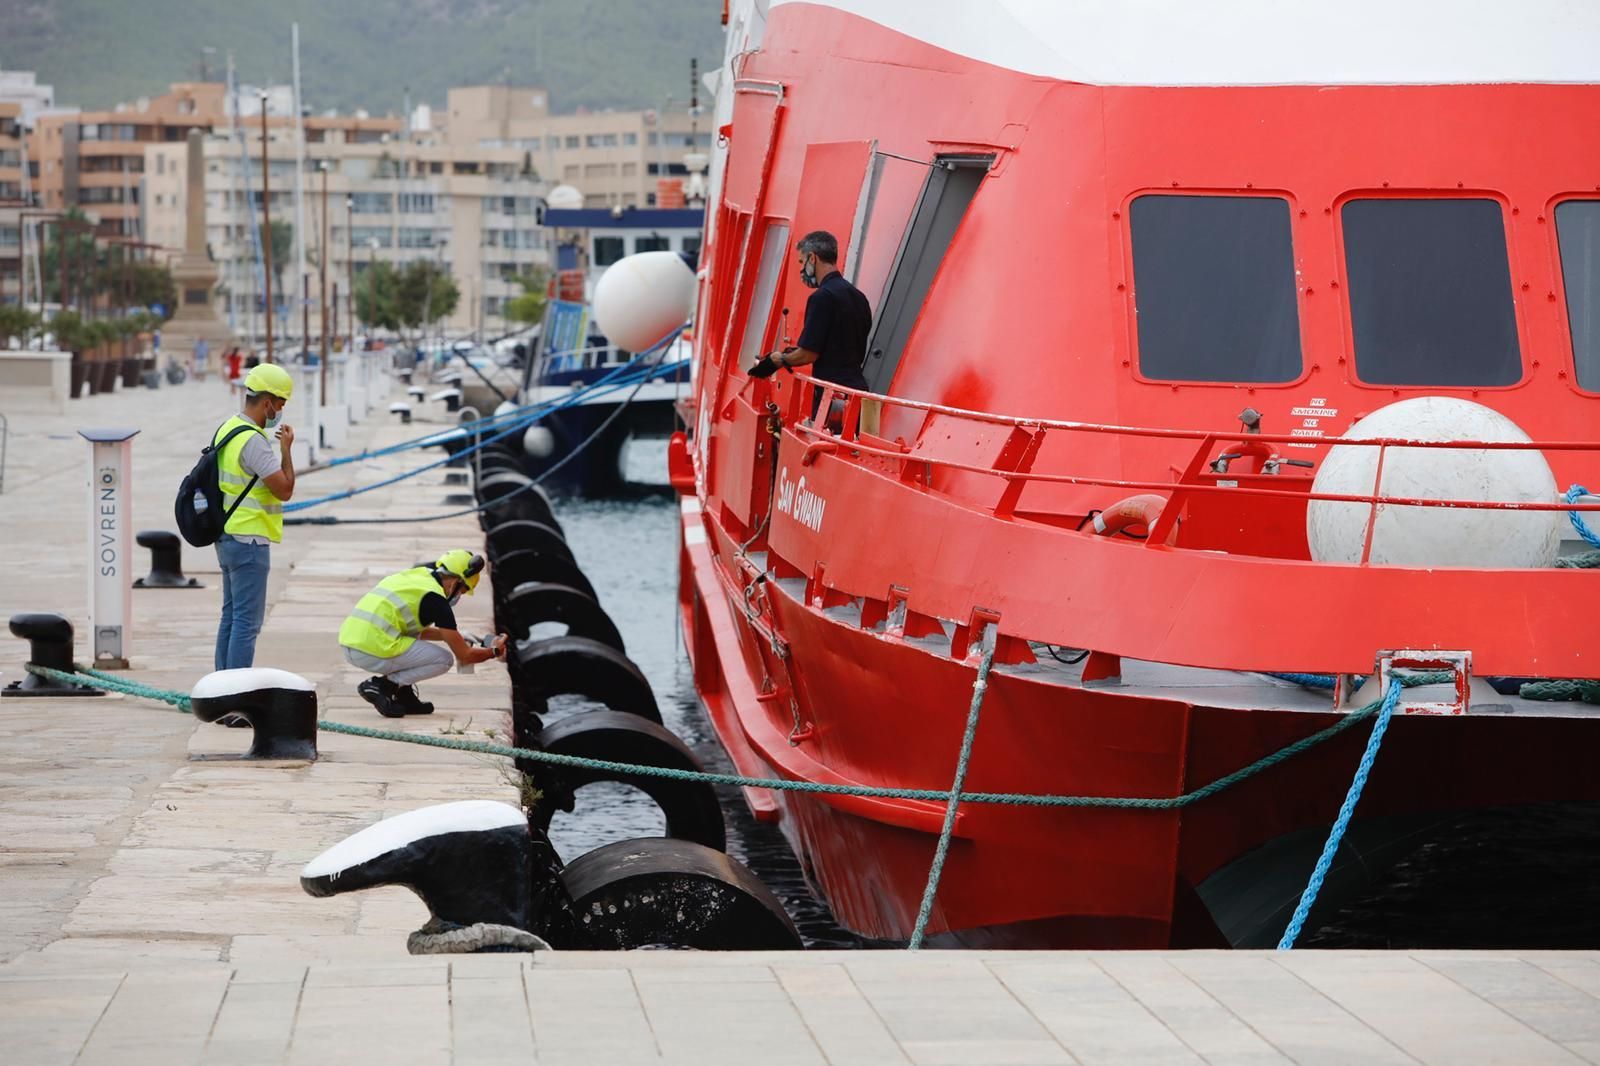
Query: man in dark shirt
column 833, row 341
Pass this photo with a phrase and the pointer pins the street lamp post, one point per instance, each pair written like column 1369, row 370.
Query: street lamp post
column 372, row 279
column 322, row 276
column 350, row 266
column 266, row 222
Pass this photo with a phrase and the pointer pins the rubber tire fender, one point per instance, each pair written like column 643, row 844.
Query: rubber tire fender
column 578, row 666
column 533, row 602
column 529, row 504
column 522, row 534
column 659, row 891
column 691, row 807
column 518, row 567
column 496, row 484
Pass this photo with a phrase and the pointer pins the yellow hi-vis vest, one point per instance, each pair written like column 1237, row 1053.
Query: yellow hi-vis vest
column 261, row 513
column 386, row 620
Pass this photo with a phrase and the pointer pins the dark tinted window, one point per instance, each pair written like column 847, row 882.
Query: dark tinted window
column 1430, row 293
column 1214, row 288
column 608, row 250
column 1578, row 229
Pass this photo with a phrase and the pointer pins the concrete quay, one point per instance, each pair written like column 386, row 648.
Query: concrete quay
column 150, row 909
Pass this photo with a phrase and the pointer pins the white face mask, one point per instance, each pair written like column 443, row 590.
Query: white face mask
column 455, row 597
column 274, row 419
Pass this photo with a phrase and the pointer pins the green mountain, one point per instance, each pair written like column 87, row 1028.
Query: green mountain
column 364, row 53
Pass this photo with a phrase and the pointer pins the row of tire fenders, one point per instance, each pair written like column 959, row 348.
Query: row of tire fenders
column 487, row 871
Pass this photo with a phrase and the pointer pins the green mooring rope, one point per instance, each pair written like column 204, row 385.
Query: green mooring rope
column 953, row 798
column 936, row 871
column 778, row 784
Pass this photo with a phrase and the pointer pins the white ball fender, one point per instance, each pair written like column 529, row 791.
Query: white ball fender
column 1436, row 536
column 538, row 442
column 642, row 298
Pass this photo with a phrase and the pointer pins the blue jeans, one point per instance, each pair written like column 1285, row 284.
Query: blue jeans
column 244, row 600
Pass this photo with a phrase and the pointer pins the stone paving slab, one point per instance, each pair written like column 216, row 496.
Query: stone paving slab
column 150, row 909
column 818, row 1007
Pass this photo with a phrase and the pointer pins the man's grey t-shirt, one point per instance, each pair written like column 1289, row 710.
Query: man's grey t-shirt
column 260, row 458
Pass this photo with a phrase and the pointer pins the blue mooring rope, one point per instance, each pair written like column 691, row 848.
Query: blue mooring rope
column 1319, row 873
column 602, row 386
column 1575, row 493
column 522, row 416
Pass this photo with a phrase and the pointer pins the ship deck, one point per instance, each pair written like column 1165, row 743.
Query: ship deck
column 150, row 908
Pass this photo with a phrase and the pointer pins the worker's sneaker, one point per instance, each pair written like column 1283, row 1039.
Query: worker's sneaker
column 406, row 696
column 381, row 692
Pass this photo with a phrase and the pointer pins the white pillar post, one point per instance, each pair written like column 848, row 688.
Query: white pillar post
column 110, row 543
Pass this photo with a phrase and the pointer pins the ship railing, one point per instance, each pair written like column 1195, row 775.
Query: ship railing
column 837, row 429
column 576, row 359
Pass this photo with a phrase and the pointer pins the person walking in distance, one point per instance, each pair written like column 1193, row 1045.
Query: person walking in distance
column 257, row 471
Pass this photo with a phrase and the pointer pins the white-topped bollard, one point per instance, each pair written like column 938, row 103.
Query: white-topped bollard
column 110, row 544
column 280, row 707
column 335, row 425
column 308, row 415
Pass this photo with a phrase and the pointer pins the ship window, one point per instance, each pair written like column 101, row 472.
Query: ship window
column 1430, row 293
column 1578, row 230
column 951, row 186
column 1214, row 287
column 774, row 253
column 608, row 250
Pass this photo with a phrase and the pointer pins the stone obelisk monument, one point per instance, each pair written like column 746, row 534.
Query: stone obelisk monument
column 195, row 273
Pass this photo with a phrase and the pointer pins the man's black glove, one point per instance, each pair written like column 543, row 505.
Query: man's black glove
column 764, row 367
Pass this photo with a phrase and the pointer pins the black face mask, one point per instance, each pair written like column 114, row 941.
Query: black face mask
column 808, row 272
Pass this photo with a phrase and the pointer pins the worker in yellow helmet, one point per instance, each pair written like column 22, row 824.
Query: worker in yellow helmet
column 396, row 632
column 256, row 475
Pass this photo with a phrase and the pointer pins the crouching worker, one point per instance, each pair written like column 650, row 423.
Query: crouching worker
column 404, row 631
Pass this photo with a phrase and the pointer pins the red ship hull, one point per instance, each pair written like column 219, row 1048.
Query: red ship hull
column 835, row 584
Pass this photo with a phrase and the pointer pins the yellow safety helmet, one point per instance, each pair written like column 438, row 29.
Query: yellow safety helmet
column 270, row 377
column 463, row 564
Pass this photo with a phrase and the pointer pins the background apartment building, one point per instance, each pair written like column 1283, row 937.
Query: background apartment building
column 464, row 187
column 94, row 160
column 613, row 158
column 390, row 198
column 11, row 201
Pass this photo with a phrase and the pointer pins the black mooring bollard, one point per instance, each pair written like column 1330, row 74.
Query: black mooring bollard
column 416, row 392
column 403, row 410
column 166, row 562
column 49, row 638
column 451, row 398
column 279, row 706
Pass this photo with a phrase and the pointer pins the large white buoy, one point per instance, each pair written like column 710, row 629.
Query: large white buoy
column 1437, row 536
column 643, row 297
column 564, row 198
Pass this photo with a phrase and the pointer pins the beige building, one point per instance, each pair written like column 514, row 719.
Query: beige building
column 389, row 198
column 613, row 157
column 11, row 202
column 94, row 160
